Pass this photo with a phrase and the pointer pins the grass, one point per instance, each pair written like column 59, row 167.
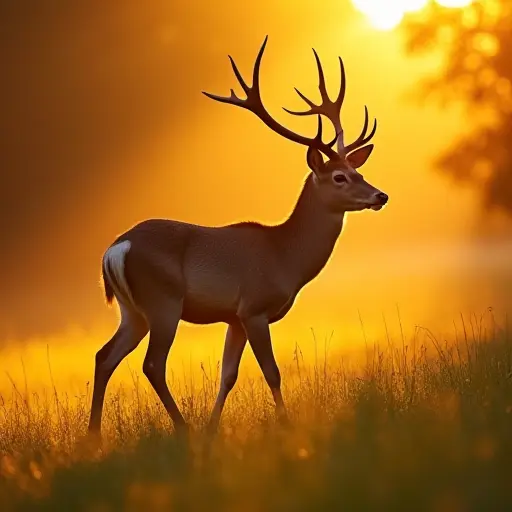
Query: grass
column 424, row 424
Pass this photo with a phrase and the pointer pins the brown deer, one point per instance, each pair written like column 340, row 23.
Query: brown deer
column 246, row 275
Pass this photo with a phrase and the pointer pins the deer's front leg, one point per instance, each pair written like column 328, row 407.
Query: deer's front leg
column 258, row 334
column 233, row 349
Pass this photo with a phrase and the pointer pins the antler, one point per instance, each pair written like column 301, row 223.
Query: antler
column 254, row 104
column 332, row 110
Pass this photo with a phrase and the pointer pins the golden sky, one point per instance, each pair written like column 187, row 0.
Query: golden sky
column 192, row 159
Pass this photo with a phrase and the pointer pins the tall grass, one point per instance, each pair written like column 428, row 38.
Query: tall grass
column 423, row 424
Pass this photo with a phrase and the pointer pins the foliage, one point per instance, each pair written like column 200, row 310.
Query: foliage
column 476, row 43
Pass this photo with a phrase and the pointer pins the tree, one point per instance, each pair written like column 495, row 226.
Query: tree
column 477, row 44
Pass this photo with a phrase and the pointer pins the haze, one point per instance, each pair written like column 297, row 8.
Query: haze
column 103, row 125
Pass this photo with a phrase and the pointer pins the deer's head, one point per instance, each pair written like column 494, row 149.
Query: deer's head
column 340, row 186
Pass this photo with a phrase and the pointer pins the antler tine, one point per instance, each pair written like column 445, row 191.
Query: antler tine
column 328, row 108
column 233, row 99
column 251, row 92
column 321, row 78
column 343, row 86
column 363, row 138
column 254, row 104
column 320, row 130
column 315, row 109
column 256, row 70
column 239, row 76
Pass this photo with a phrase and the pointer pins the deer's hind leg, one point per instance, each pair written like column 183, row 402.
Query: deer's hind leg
column 157, row 286
column 131, row 331
column 163, row 322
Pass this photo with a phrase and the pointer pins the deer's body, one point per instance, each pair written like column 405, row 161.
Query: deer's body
column 222, row 273
column 246, row 275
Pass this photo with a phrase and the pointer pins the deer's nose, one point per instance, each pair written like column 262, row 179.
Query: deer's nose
column 383, row 198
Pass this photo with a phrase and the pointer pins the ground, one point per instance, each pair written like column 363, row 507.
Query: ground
column 424, row 424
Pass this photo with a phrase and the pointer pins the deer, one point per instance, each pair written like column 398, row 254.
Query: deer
column 246, row 275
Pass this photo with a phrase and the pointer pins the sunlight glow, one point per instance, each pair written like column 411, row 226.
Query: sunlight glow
column 382, row 15
column 412, row 5
column 387, row 15
column 454, row 3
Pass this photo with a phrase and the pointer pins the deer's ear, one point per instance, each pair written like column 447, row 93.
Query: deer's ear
column 359, row 156
column 315, row 160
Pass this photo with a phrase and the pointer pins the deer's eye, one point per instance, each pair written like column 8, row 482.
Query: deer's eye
column 339, row 178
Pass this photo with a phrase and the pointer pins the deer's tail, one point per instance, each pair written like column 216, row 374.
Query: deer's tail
column 113, row 272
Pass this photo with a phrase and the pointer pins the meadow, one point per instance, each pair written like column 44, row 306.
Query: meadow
column 422, row 422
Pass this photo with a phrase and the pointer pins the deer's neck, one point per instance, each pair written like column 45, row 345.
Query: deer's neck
column 307, row 238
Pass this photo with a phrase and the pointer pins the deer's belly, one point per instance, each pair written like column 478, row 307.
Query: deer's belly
column 209, row 301
column 211, row 298
column 280, row 312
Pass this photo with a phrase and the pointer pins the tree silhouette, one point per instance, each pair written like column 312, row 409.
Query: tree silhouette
column 476, row 42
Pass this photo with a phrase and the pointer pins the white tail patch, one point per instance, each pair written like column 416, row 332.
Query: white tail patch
column 113, row 264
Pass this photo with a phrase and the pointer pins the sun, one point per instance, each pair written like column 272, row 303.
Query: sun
column 386, row 15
